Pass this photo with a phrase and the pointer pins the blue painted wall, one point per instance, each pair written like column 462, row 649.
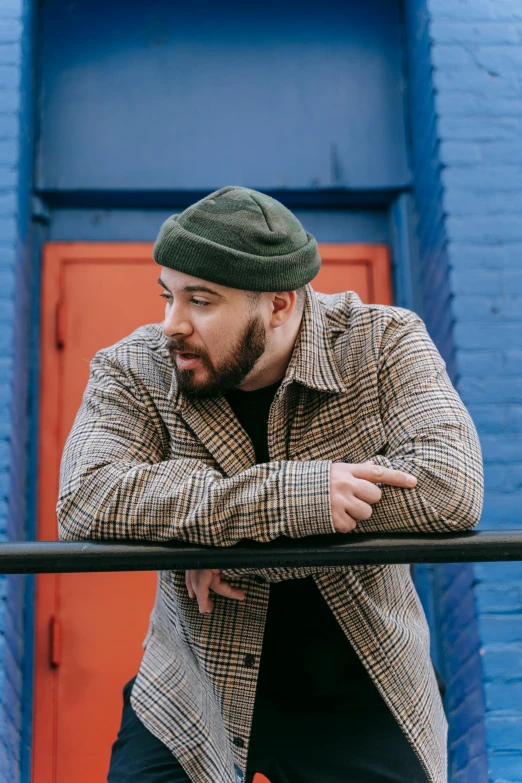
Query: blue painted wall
column 274, row 95
column 133, row 225
column 469, row 194
column 16, row 129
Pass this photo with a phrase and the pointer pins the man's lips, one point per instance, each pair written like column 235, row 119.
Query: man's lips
column 186, row 360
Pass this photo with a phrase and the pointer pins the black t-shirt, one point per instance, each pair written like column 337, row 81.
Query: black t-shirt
column 305, row 652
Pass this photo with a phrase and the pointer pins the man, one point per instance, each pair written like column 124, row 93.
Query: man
column 260, row 409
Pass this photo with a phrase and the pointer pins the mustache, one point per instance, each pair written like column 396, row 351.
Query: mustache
column 179, row 345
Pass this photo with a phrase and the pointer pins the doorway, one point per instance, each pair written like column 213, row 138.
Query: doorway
column 89, row 627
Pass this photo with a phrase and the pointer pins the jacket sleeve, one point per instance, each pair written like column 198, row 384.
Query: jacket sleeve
column 116, row 483
column 430, row 434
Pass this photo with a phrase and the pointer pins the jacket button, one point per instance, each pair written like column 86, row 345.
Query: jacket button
column 260, row 580
column 249, row 661
column 238, row 742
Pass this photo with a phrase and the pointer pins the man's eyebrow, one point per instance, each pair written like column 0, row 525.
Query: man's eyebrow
column 192, row 289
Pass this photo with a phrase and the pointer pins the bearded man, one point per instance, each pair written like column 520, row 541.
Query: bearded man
column 260, row 409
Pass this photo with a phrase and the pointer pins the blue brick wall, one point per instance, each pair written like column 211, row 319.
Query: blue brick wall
column 472, row 232
column 446, row 590
column 16, row 123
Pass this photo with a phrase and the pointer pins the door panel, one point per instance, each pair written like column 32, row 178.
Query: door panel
column 89, row 627
column 352, row 267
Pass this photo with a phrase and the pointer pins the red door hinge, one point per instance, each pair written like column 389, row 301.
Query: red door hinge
column 55, row 642
column 60, row 324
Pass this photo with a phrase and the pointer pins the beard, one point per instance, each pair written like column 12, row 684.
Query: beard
column 230, row 372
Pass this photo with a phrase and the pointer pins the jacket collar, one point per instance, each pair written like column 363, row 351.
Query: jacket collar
column 313, row 363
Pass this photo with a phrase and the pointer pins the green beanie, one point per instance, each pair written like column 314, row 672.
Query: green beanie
column 239, row 238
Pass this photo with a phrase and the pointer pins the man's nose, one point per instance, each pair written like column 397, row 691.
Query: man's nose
column 176, row 323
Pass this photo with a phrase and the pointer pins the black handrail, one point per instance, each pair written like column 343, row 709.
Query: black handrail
column 33, row 557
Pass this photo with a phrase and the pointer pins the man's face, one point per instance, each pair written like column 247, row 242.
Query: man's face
column 215, row 334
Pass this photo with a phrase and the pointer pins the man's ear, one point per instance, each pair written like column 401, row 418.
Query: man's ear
column 283, row 307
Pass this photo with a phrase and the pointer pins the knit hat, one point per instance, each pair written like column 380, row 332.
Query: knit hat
column 239, row 238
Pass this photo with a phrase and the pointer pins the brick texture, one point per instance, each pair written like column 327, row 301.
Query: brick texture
column 469, row 191
column 446, row 590
column 15, row 183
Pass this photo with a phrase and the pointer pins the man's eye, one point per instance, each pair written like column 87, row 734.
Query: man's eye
column 199, row 302
column 165, row 296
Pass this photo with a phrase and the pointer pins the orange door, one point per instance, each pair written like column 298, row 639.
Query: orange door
column 89, row 627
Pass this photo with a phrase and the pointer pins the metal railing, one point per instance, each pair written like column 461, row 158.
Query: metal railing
column 34, row 557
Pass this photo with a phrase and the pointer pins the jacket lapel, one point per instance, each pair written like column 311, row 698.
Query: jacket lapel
column 313, row 363
column 213, row 423
column 312, row 366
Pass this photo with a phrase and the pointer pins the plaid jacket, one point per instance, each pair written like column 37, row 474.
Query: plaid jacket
column 143, row 462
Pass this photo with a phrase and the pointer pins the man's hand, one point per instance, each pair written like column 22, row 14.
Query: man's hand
column 201, row 581
column 353, row 491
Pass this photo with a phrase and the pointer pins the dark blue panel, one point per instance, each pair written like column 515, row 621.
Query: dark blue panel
column 119, row 225
column 356, row 225
column 171, row 96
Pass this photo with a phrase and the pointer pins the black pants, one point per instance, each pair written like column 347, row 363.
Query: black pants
column 318, row 745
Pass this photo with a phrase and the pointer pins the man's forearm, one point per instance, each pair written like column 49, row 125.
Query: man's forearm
column 116, row 483
column 176, row 500
column 447, row 498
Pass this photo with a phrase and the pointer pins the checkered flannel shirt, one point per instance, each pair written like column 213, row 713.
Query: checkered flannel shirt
column 365, row 382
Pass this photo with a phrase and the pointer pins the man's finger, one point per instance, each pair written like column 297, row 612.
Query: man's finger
column 358, row 509
column 378, row 474
column 204, row 600
column 201, row 580
column 366, row 491
column 190, row 591
column 344, row 523
column 225, row 589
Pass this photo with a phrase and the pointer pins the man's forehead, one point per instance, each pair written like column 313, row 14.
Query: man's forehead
column 179, row 281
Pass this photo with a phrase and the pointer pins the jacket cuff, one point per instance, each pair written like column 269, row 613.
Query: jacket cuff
column 307, row 504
